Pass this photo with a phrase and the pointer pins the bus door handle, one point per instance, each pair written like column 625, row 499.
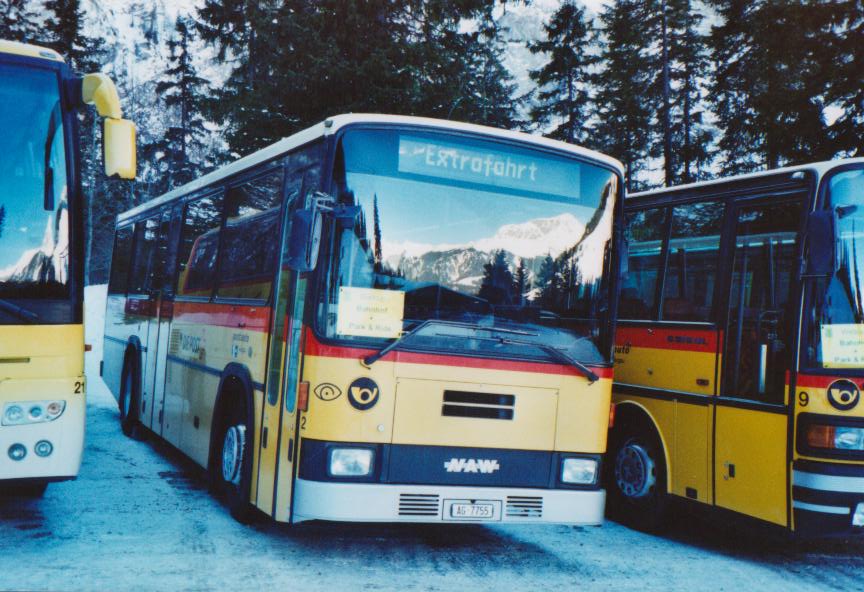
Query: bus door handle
column 730, row 470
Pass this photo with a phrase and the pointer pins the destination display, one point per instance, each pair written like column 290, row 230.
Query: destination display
column 498, row 168
column 842, row 345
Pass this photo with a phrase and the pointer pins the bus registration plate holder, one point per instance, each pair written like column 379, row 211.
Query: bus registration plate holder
column 463, row 509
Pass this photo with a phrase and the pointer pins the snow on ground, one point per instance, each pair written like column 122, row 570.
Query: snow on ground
column 139, row 518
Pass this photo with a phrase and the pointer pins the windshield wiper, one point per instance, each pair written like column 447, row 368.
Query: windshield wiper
column 21, row 313
column 371, row 359
column 561, row 356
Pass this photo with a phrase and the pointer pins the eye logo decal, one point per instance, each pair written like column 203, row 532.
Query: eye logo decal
column 843, row 394
column 363, row 394
column 327, row 391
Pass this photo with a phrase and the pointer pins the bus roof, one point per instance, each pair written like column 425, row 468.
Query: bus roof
column 331, row 125
column 30, row 51
column 818, row 168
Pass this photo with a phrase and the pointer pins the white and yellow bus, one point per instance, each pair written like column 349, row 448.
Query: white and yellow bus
column 41, row 259
column 740, row 351
column 380, row 318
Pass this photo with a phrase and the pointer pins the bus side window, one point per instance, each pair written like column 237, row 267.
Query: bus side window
column 199, row 243
column 691, row 274
column 146, row 233
column 120, row 261
column 250, row 241
column 645, row 233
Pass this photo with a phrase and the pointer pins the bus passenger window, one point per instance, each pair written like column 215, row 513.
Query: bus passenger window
column 645, row 233
column 694, row 246
column 248, row 257
column 120, row 261
column 199, row 242
column 146, row 233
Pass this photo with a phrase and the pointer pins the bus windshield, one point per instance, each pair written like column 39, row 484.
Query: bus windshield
column 506, row 245
column 836, row 320
column 34, row 216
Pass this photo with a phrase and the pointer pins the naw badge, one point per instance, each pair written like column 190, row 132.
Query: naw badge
column 363, row 394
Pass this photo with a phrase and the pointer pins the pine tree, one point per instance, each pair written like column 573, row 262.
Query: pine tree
column 19, row 21
column 491, row 89
column 376, row 232
column 679, row 64
column 622, row 108
column 563, row 91
column 181, row 90
column 520, row 283
column 548, row 281
column 768, row 84
column 497, row 284
column 843, row 60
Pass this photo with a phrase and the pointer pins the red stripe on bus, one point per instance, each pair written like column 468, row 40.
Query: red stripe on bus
column 250, row 318
column 316, row 348
column 693, row 340
column 817, row 381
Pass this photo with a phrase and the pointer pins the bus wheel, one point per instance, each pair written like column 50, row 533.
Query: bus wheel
column 636, row 480
column 129, row 406
column 231, row 467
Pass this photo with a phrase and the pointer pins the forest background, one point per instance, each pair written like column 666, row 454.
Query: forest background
column 678, row 90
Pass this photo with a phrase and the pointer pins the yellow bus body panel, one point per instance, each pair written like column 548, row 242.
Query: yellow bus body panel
column 50, row 351
column 667, row 369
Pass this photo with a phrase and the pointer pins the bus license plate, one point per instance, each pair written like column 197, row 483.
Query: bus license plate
column 472, row 510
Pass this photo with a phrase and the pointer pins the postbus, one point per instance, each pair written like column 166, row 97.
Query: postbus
column 42, row 386
column 739, row 352
column 380, row 318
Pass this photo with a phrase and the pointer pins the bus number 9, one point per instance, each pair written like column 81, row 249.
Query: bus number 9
column 803, row 399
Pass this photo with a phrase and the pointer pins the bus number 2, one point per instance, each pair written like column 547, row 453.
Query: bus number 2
column 302, row 422
column 803, row 399
column 79, row 387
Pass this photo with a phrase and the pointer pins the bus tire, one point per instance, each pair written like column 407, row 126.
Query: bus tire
column 231, row 464
column 636, row 478
column 129, row 402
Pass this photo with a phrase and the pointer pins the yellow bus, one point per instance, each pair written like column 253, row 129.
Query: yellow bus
column 739, row 352
column 380, row 318
column 42, row 259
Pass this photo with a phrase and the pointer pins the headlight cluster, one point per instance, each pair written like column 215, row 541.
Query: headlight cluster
column 351, row 462
column 24, row 412
column 835, row 437
column 579, row 471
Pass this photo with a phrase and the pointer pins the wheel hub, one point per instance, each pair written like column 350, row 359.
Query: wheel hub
column 634, row 470
column 233, row 448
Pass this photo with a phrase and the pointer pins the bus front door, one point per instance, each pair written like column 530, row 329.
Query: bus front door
column 751, row 417
column 159, row 316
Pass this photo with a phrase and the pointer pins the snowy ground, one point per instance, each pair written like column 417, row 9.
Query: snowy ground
column 140, row 518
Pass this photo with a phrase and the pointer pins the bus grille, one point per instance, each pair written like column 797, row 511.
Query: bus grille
column 419, row 504
column 482, row 405
column 524, row 507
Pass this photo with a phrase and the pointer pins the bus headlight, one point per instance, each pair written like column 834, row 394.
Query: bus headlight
column 351, row 462
column 835, row 437
column 579, row 471
column 36, row 412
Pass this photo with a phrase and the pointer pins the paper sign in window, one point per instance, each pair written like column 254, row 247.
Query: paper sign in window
column 366, row 312
column 843, row 345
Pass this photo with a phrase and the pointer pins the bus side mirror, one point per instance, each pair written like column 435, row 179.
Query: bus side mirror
column 821, row 237
column 118, row 148
column 305, row 239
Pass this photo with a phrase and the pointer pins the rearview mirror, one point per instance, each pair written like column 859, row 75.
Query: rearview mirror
column 305, row 239
column 118, row 148
column 821, row 243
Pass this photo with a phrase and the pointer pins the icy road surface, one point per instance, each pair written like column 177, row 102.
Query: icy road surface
column 140, row 518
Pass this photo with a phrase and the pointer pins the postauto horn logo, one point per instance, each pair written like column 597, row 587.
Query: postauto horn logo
column 363, row 394
column 843, row 394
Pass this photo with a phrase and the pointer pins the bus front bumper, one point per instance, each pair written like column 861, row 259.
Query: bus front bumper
column 828, row 498
column 371, row 502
